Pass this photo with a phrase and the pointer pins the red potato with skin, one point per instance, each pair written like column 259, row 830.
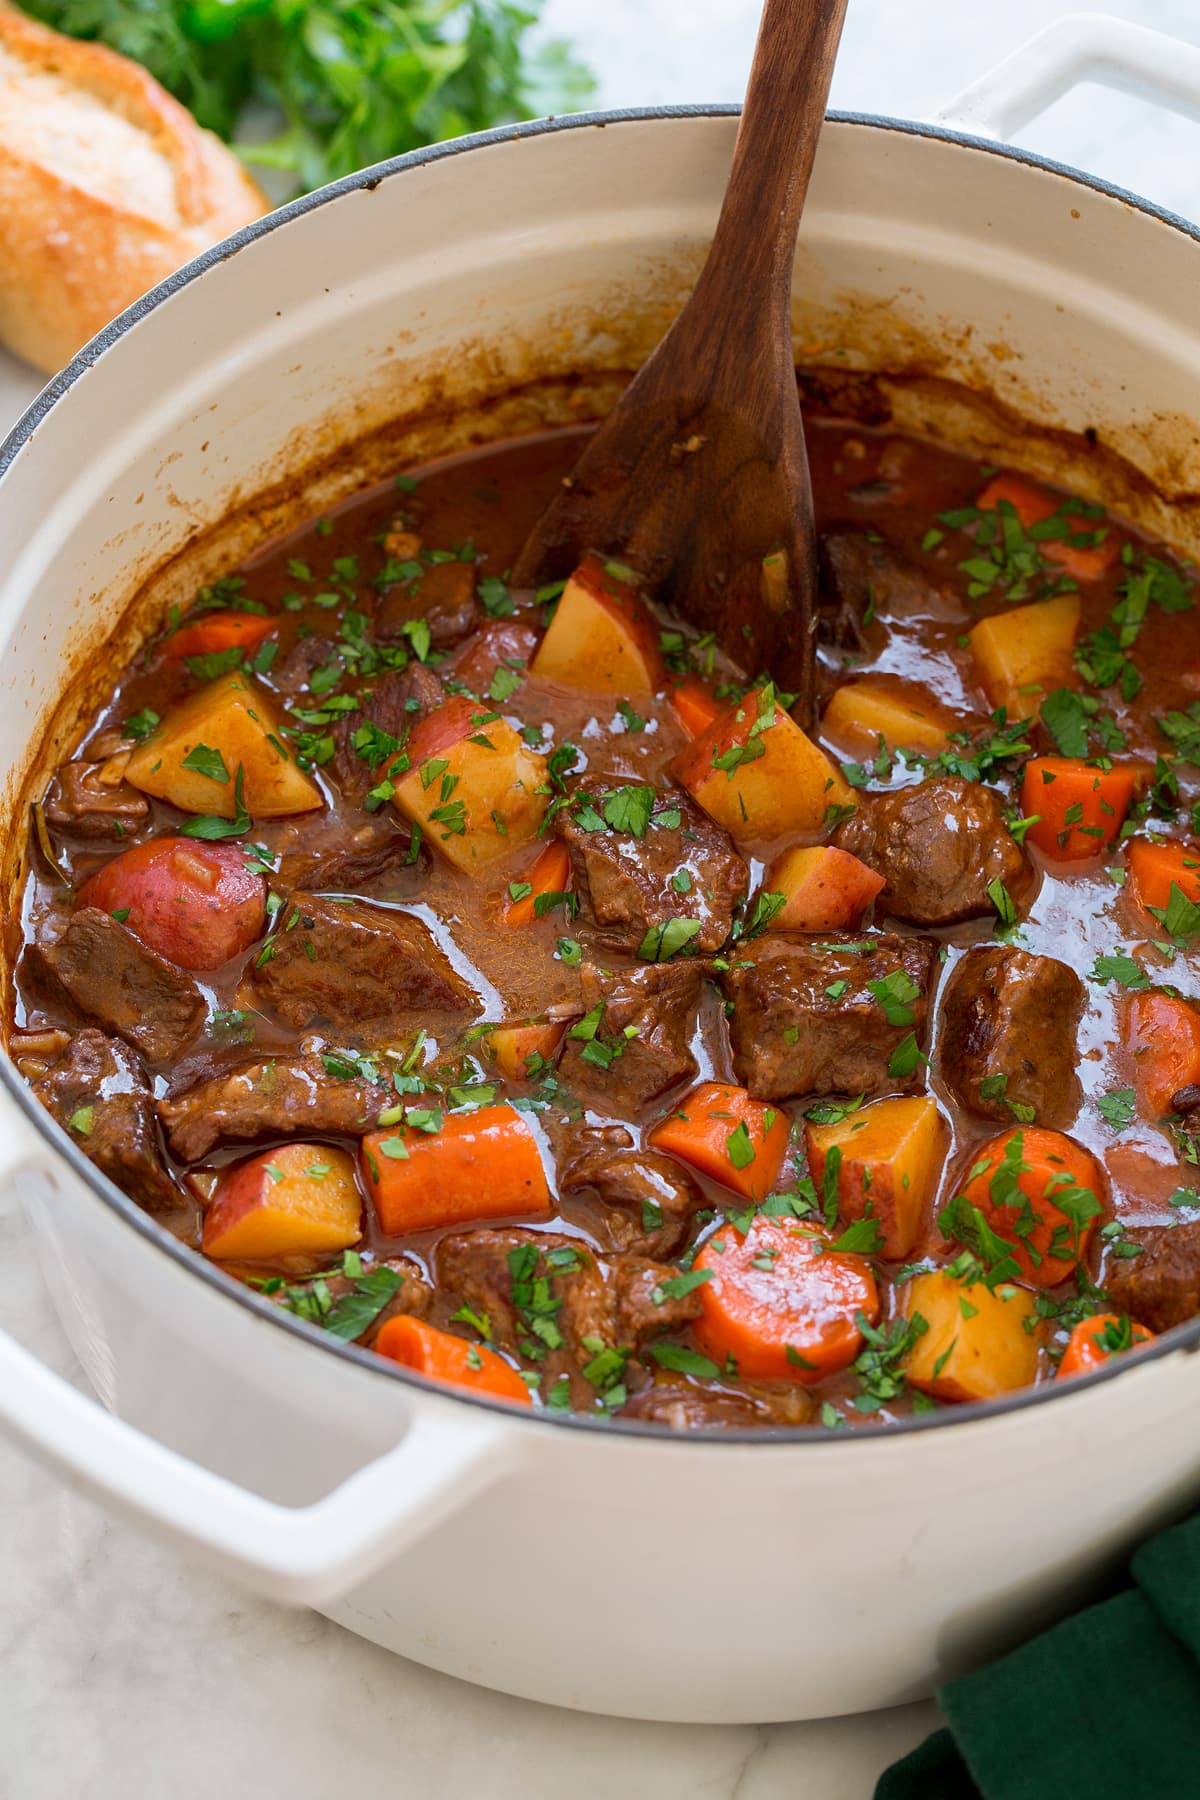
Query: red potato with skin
column 825, row 889
column 601, row 637
column 297, row 1200
column 472, row 785
column 197, row 904
column 756, row 773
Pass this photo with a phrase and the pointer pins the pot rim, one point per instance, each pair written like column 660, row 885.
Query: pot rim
column 1184, row 1337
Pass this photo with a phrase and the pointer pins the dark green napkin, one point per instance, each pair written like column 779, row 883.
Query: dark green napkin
column 1106, row 1706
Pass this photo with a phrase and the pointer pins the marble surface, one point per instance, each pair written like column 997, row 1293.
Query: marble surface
column 129, row 1674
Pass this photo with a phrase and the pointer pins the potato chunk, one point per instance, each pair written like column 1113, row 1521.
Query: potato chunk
column 756, row 773
column 977, row 1344
column 193, row 757
column 601, row 636
column 474, row 788
column 1024, row 654
column 905, row 717
column 888, row 1161
column 298, row 1200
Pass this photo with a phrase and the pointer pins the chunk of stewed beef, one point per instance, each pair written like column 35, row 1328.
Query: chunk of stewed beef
column 98, row 1092
column 647, row 1199
column 837, row 1015
column 110, row 975
column 395, row 702
column 79, row 801
column 349, row 964
column 553, row 1301
column 1159, row 1287
column 505, row 647
column 685, row 1407
column 376, row 855
column 864, row 577
column 443, row 595
column 1009, row 1035
column 281, row 1096
column 634, row 1039
column 940, row 846
column 682, row 866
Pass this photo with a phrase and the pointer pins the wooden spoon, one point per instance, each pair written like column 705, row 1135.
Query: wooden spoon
column 700, row 473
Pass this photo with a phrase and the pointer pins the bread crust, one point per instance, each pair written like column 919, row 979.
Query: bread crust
column 76, row 245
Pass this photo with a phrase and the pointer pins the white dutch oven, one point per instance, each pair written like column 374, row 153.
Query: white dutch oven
column 614, row 1569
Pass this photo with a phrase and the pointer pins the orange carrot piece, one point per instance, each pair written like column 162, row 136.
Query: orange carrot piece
column 1095, row 1340
column 1079, row 809
column 510, row 1047
column 729, row 1137
column 1162, row 1036
column 1155, row 868
column 219, row 631
column 550, row 874
column 442, row 1357
column 781, row 1303
column 695, row 704
column 1045, row 1241
column 824, row 888
column 477, row 1165
column 1032, row 503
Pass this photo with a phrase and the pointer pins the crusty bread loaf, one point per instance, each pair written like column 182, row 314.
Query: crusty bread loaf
column 107, row 184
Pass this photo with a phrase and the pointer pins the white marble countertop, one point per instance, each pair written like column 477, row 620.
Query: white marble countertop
column 128, row 1674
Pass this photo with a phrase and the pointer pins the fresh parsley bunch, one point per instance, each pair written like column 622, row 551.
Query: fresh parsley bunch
column 351, row 82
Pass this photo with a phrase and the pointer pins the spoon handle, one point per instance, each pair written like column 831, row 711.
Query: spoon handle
column 755, row 242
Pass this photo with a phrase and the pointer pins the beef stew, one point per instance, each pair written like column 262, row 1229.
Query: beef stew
column 507, row 981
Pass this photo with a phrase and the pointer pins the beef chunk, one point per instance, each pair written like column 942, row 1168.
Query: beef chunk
column 443, row 595
column 543, row 1294
column 396, row 702
column 79, row 801
column 378, row 852
column 1008, row 1034
column 861, row 574
column 112, row 976
column 1161, row 1286
column 315, row 1300
column 350, row 964
column 508, row 644
column 99, row 1084
column 630, row 883
column 687, row 1408
column 647, row 1198
column 279, row 1097
column 657, row 1005
column 792, row 1035
column 938, row 845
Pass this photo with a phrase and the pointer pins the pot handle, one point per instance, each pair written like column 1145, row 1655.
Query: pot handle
column 1081, row 47
column 306, row 1555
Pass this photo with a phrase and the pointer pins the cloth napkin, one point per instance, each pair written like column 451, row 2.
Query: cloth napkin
column 1105, row 1706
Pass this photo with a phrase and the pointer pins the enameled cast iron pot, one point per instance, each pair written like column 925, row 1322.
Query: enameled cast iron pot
column 470, row 291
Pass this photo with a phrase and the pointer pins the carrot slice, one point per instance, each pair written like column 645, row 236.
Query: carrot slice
column 781, row 1303
column 443, row 1357
column 696, row 706
column 477, row 1165
column 219, row 631
column 1079, row 809
column 728, row 1136
column 550, row 874
column 1035, row 1191
column 1033, row 504
column 1155, row 868
column 1095, row 1340
column 1162, row 1035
